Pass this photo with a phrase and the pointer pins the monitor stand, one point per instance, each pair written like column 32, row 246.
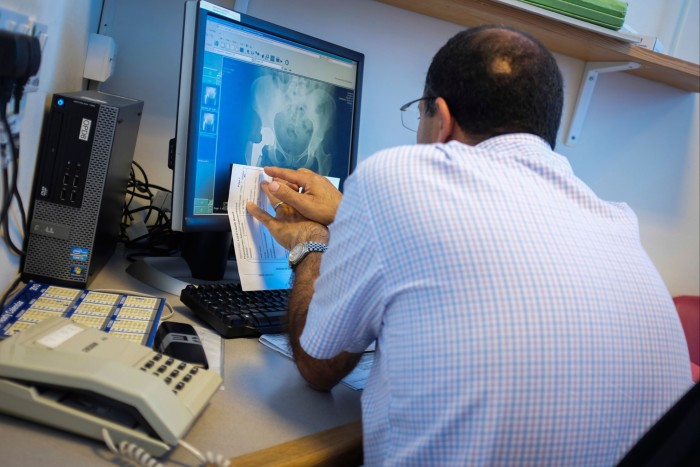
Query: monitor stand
column 204, row 259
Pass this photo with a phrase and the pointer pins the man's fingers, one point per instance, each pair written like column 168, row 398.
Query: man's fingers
column 297, row 177
column 258, row 213
column 283, row 193
column 271, row 197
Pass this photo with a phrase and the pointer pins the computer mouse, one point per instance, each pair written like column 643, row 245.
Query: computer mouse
column 180, row 340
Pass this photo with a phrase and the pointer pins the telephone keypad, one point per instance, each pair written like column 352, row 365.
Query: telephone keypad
column 171, row 371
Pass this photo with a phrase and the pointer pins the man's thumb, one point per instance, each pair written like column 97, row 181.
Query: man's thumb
column 273, row 186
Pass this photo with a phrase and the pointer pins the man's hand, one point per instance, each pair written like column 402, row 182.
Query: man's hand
column 318, row 200
column 288, row 227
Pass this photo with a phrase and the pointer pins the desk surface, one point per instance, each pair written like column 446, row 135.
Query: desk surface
column 264, row 402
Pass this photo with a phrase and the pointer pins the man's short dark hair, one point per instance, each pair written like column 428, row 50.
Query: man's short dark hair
column 497, row 80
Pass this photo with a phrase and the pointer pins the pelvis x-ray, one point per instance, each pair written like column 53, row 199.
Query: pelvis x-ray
column 295, row 115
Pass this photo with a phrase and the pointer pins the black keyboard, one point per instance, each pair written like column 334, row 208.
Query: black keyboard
column 234, row 313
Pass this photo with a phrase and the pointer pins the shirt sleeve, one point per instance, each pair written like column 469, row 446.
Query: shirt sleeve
column 346, row 310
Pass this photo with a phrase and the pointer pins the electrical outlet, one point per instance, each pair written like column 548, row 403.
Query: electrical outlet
column 15, row 22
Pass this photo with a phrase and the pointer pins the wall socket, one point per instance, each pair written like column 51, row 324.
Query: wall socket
column 15, row 22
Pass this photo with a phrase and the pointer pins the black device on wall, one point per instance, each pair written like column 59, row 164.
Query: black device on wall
column 81, row 177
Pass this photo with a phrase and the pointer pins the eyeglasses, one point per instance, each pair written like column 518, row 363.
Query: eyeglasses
column 410, row 113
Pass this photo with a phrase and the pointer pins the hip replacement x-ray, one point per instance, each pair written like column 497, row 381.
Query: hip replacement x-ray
column 258, row 116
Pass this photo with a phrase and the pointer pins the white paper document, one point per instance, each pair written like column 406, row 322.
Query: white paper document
column 262, row 262
column 356, row 379
column 213, row 348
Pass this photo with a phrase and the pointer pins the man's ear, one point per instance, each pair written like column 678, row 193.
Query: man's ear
column 446, row 121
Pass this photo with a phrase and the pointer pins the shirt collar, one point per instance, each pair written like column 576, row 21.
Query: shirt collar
column 526, row 145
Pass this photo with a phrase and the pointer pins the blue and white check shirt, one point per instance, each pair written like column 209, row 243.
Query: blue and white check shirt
column 518, row 319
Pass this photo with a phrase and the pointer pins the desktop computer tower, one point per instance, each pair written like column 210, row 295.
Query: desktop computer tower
column 81, row 177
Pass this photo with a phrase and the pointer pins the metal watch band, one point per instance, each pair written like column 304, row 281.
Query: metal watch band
column 306, row 247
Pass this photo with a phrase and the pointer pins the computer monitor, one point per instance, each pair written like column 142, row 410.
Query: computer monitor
column 254, row 93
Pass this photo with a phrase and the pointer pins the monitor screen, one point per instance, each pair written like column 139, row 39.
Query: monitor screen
column 258, row 94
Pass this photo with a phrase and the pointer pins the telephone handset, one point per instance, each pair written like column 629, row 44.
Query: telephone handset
column 82, row 380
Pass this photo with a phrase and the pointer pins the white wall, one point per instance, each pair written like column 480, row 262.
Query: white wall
column 639, row 143
column 63, row 57
column 674, row 22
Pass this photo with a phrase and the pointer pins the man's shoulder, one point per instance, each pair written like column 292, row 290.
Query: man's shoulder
column 411, row 155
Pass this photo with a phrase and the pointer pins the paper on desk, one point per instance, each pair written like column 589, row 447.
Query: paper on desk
column 213, row 349
column 262, row 262
column 355, row 380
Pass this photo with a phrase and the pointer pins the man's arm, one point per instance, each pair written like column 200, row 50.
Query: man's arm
column 322, row 374
column 289, row 228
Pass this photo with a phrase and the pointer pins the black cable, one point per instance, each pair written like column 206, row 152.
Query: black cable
column 10, row 190
column 18, row 92
column 6, row 85
column 146, row 183
column 6, row 220
column 20, row 207
column 21, row 55
column 143, row 172
column 23, row 217
column 159, row 240
column 9, row 291
column 4, row 157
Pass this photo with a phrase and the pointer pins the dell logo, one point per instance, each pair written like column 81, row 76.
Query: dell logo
column 84, row 134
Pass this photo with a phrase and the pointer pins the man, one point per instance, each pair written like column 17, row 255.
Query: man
column 518, row 319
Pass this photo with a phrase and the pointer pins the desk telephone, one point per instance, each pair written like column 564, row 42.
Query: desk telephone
column 82, row 380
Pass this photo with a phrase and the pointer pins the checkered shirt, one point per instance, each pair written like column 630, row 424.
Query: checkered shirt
column 518, row 319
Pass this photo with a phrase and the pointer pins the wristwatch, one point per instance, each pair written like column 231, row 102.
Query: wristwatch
column 301, row 250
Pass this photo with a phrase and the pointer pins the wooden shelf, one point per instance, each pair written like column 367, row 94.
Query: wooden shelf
column 562, row 37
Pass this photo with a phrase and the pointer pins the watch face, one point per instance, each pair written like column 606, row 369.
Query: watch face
column 296, row 253
column 299, row 251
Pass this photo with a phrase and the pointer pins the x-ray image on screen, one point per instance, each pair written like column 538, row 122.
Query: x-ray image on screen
column 270, row 117
column 295, row 116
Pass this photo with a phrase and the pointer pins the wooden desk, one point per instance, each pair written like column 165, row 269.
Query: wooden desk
column 264, row 403
column 336, row 447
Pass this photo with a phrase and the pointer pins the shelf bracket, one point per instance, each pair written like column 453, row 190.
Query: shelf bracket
column 585, row 93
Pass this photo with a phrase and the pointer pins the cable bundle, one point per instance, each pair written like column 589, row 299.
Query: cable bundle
column 20, row 57
column 146, row 227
